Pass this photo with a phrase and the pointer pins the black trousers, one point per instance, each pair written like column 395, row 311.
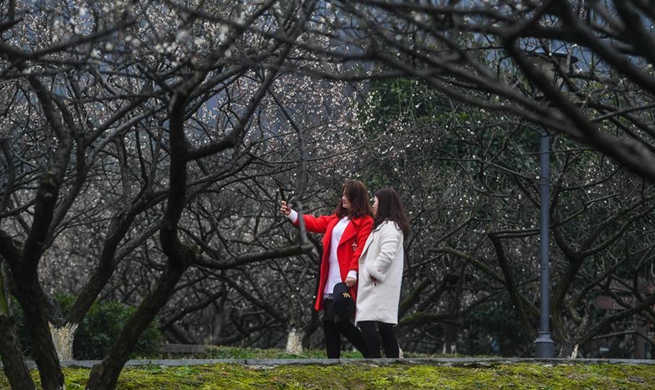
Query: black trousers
column 334, row 327
column 373, row 332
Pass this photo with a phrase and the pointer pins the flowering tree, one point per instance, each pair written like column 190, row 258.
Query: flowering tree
column 566, row 67
column 118, row 116
column 474, row 202
column 282, row 289
column 153, row 136
column 596, row 49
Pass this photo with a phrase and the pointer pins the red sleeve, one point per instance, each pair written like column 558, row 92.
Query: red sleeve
column 364, row 230
column 316, row 224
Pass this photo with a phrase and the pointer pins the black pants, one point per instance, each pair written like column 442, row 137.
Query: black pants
column 373, row 332
column 334, row 329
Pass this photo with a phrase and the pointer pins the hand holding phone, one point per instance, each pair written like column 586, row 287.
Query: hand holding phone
column 285, row 209
column 281, row 191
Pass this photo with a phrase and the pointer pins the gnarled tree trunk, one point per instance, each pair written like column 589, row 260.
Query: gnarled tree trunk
column 63, row 337
column 12, row 355
column 294, row 341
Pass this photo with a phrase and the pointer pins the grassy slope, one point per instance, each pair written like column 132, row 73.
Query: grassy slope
column 363, row 375
column 396, row 377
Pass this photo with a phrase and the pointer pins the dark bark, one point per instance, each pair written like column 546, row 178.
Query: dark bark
column 451, row 329
column 179, row 257
column 31, row 299
column 310, row 327
column 199, row 306
column 597, row 328
column 105, row 374
column 510, row 284
column 24, row 264
column 120, row 225
column 10, row 172
column 103, row 272
column 12, row 356
column 413, row 297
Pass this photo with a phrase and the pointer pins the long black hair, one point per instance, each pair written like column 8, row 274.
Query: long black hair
column 357, row 194
column 390, row 208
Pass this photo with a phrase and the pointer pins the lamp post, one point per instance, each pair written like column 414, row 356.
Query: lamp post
column 544, row 344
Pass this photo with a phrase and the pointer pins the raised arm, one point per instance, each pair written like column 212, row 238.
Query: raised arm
column 312, row 224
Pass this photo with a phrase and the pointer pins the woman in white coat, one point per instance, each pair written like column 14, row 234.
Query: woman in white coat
column 381, row 273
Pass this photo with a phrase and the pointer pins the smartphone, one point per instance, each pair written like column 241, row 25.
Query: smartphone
column 281, row 191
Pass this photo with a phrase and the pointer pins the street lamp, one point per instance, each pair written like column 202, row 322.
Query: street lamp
column 544, row 344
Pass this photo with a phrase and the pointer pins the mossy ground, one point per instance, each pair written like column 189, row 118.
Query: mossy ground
column 365, row 376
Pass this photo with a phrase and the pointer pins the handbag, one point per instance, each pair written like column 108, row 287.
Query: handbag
column 344, row 304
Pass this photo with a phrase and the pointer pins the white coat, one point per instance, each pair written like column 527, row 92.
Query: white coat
column 382, row 259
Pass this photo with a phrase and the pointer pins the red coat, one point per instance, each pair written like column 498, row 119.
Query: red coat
column 350, row 247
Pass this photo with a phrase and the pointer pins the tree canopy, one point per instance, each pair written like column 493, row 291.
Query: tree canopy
column 144, row 146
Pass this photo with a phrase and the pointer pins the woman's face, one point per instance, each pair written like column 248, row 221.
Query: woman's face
column 345, row 202
column 375, row 206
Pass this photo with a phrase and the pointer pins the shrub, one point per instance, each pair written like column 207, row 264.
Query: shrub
column 98, row 330
column 100, row 327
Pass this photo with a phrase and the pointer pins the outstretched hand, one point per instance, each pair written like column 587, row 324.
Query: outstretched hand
column 285, row 209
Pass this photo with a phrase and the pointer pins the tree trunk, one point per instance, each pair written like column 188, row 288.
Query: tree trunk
column 12, row 356
column 640, row 342
column 294, row 341
column 43, row 349
column 450, row 339
column 63, row 337
column 569, row 349
column 104, row 376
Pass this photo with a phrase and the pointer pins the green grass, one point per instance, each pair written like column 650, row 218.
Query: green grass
column 365, row 375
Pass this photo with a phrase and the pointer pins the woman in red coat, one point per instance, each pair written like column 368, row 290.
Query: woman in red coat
column 345, row 233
